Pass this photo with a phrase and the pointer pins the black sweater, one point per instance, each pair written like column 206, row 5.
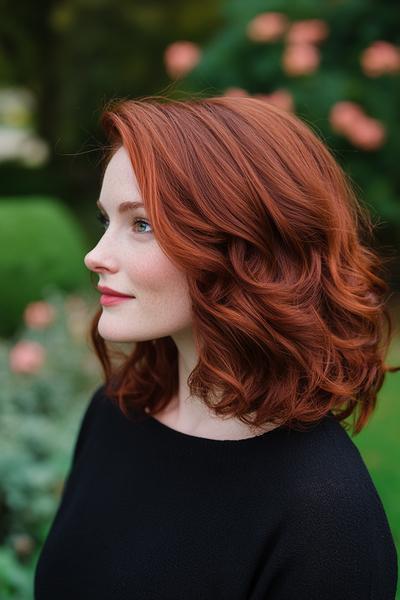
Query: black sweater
column 151, row 513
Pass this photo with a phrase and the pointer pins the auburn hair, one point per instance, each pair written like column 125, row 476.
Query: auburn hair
column 288, row 296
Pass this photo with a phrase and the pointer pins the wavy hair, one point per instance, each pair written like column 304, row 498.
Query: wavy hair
column 288, row 296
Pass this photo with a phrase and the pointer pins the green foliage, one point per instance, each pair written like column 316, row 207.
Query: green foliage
column 40, row 246
column 232, row 59
column 40, row 413
column 74, row 56
column 73, row 64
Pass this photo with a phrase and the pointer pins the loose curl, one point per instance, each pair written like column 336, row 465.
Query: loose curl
column 288, row 298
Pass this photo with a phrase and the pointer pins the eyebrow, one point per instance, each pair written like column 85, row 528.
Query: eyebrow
column 123, row 207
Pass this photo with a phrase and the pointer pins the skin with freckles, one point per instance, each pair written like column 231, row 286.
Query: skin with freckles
column 129, row 260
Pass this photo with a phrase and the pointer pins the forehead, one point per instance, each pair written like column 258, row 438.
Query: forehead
column 119, row 177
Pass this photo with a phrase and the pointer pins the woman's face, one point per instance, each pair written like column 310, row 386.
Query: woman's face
column 129, row 260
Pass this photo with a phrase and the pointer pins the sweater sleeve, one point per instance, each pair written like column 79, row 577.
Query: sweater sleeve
column 336, row 543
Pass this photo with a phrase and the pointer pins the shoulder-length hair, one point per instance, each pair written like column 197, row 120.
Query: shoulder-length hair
column 288, row 297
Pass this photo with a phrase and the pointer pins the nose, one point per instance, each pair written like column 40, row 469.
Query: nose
column 97, row 261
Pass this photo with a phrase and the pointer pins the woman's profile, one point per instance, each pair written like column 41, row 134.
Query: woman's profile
column 214, row 460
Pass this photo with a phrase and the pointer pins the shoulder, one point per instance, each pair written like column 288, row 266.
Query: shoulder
column 95, row 407
column 97, row 400
column 97, row 404
column 325, row 454
column 328, row 474
column 331, row 535
column 333, row 520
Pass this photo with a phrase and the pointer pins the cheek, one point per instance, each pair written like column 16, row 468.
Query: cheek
column 160, row 285
column 152, row 271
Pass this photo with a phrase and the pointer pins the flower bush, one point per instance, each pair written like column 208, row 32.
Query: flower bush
column 48, row 372
column 336, row 65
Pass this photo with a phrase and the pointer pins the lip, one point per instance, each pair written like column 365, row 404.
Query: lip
column 107, row 300
column 110, row 292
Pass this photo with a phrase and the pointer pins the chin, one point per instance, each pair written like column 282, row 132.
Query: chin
column 111, row 335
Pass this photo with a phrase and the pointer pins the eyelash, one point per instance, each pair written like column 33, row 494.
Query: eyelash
column 103, row 220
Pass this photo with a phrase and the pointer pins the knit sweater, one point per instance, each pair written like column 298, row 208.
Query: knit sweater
column 151, row 513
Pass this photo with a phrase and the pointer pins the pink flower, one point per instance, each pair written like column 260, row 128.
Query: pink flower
column 362, row 131
column 180, row 58
column 27, row 357
column 300, row 59
column 310, row 31
column 235, row 91
column 343, row 114
column 281, row 98
column 23, row 544
column 367, row 133
column 39, row 315
column 380, row 58
column 266, row 27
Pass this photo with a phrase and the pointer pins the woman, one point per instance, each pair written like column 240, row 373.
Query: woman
column 213, row 463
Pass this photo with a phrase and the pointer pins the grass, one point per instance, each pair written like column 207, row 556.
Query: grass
column 379, row 445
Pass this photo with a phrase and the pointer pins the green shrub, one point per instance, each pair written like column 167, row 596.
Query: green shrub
column 41, row 246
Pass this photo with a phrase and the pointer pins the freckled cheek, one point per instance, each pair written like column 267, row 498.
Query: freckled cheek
column 154, row 274
column 162, row 292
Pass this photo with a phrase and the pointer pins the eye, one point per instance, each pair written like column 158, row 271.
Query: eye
column 135, row 221
column 104, row 222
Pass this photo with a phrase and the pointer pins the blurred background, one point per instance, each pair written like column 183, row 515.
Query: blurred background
column 336, row 64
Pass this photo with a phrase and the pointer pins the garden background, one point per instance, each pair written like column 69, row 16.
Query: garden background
column 336, row 64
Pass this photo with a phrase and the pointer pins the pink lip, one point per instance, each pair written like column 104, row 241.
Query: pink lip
column 110, row 300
